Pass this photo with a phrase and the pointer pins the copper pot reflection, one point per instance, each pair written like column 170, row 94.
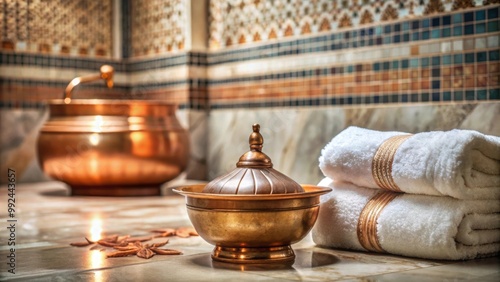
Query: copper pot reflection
column 113, row 147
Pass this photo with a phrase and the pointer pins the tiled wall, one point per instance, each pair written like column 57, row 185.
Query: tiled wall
column 83, row 27
column 269, row 62
column 157, row 26
column 407, row 57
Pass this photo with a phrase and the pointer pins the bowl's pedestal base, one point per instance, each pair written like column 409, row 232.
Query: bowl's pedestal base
column 262, row 255
column 116, row 191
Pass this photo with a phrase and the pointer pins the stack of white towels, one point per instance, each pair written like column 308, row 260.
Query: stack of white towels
column 447, row 199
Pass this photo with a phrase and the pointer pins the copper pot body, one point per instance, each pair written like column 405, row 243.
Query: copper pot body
column 253, row 229
column 113, row 148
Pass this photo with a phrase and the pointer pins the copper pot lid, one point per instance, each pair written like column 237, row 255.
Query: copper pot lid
column 254, row 174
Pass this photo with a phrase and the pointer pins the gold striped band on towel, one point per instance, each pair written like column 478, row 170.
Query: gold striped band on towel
column 367, row 222
column 382, row 162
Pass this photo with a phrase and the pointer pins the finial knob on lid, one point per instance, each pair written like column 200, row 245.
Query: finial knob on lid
column 254, row 174
column 255, row 158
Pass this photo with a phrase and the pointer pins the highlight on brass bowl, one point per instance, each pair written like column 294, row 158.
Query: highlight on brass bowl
column 113, row 147
column 253, row 229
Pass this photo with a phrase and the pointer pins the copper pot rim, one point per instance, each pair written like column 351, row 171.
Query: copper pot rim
column 194, row 191
column 110, row 102
column 108, row 107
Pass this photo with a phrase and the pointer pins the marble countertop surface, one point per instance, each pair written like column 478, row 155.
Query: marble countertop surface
column 47, row 220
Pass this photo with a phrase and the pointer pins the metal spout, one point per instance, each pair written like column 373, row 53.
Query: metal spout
column 107, row 72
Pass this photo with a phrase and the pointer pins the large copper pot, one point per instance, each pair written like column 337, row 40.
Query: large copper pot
column 113, row 147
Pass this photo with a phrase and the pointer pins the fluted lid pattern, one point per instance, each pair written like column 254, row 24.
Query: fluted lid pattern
column 254, row 174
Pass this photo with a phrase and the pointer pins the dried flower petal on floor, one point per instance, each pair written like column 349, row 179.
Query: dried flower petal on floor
column 145, row 253
column 166, row 251
column 117, row 254
column 138, row 239
column 164, row 232
column 185, row 232
column 126, row 245
column 80, row 244
column 156, row 245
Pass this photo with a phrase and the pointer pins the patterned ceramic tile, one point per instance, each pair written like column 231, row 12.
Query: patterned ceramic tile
column 157, row 26
column 81, row 27
column 240, row 22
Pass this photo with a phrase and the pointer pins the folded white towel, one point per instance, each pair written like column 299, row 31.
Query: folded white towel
column 463, row 164
column 411, row 225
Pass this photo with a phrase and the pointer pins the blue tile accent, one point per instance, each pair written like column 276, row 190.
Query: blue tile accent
column 468, row 29
column 405, row 63
column 435, row 22
column 394, row 98
column 494, row 55
column 482, row 95
column 447, row 96
column 480, row 28
column 404, row 98
column 414, row 63
column 480, row 15
column 469, row 58
column 446, row 20
column 493, row 13
column 436, row 84
column 436, row 61
column 494, row 94
column 397, row 27
column 425, row 35
column 426, row 23
column 457, row 18
column 406, row 26
column 457, row 30
column 415, row 25
column 414, row 97
column 493, row 26
column 458, row 58
column 458, row 96
column 424, row 97
column 481, row 57
column 436, row 97
column 435, row 33
column 415, row 36
column 470, row 95
column 424, row 62
column 468, row 16
column 447, row 60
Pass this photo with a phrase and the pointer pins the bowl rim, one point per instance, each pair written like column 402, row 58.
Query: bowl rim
column 194, row 191
column 77, row 101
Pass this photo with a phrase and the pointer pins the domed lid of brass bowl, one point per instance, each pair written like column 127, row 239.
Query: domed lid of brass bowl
column 254, row 174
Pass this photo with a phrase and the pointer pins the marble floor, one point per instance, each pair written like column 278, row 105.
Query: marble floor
column 47, row 220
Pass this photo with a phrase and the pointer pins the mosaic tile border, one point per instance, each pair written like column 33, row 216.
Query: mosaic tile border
column 463, row 25
column 40, row 60
column 479, row 95
column 468, row 23
column 478, row 21
column 26, row 59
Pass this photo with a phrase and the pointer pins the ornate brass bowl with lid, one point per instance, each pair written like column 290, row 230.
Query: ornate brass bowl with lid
column 254, row 213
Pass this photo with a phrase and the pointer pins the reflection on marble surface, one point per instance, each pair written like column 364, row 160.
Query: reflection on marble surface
column 294, row 137
column 48, row 220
